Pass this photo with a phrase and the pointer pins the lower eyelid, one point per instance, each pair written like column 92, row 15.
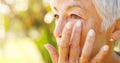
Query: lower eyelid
column 74, row 16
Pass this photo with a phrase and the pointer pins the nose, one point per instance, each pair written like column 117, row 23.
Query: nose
column 59, row 28
column 58, row 34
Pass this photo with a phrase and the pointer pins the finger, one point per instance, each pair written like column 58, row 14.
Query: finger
column 116, row 35
column 53, row 53
column 64, row 43
column 100, row 56
column 75, row 40
column 87, row 49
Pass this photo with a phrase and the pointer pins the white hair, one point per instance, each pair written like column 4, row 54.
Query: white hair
column 109, row 10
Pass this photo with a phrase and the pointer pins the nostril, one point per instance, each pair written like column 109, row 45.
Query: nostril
column 58, row 35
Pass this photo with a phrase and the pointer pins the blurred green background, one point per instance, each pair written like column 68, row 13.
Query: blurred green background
column 25, row 26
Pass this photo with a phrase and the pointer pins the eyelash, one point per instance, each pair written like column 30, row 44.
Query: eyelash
column 56, row 16
column 74, row 16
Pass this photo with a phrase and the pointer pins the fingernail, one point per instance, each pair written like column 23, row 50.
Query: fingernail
column 91, row 32
column 111, row 39
column 78, row 24
column 46, row 46
column 68, row 25
column 106, row 47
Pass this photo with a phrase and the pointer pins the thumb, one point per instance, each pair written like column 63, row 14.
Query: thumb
column 53, row 53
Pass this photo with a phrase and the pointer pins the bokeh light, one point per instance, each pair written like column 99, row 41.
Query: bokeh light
column 21, row 5
column 10, row 1
column 48, row 18
column 23, row 31
column 4, row 9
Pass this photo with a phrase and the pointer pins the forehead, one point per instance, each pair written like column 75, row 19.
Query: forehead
column 64, row 4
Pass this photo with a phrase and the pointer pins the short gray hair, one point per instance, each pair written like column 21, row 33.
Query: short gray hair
column 109, row 10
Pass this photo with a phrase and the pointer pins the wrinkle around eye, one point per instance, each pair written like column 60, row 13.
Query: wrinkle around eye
column 74, row 16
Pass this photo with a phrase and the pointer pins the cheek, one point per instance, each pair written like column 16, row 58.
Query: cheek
column 87, row 25
column 98, row 26
column 95, row 22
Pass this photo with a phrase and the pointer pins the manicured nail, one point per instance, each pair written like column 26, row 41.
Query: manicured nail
column 68, row 25
column 78, row 24
column 106, row 47
column 91, row 32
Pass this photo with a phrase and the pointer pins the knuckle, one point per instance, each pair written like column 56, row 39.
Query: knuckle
column 94, row 61
column 63, row 61
column 70, row 61
column 77, row 30
column 66, row 33
column 74, row 44
column 84, row 57
column 63, row 45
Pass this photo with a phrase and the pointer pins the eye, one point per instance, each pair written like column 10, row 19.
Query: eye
column 74, row 16
column 56, row 16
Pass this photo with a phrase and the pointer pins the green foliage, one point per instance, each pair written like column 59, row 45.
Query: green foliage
column 27, row 20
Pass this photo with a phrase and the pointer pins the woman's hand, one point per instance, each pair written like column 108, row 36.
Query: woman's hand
column 69, row 46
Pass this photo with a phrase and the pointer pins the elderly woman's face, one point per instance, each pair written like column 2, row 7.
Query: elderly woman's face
column 77, row 10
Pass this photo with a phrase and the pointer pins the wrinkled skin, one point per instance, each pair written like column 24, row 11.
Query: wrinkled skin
column 79, row 35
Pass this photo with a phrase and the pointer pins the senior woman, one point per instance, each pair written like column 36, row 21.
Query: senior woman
column 86, row 31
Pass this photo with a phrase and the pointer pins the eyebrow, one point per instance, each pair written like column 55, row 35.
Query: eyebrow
column 73, row 5
column 69, row 6
column 55, row 8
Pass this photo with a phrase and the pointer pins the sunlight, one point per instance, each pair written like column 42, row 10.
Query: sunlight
column 21, row 5
column 48, row 17
column 2, row 30
column 10, row 1
column 4, row 9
